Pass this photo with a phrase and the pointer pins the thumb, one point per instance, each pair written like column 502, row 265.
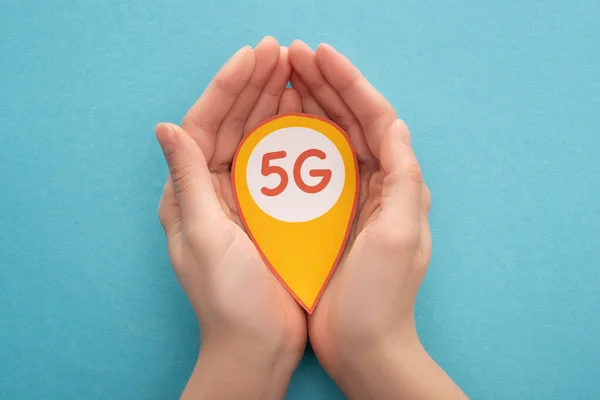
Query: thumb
column 190, row 175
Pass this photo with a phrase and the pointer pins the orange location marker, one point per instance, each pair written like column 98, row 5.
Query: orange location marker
column 295, row 180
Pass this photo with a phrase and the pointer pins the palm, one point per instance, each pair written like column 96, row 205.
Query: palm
column 257, row 290
column 260, row 302
column 223, row 189
column 369, row 201
column 348, row 279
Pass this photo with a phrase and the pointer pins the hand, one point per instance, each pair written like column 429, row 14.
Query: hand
column 253, row 332
column 363, row 328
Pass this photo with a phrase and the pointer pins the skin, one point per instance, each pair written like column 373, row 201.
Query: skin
column 363, row 330
column 253, row 332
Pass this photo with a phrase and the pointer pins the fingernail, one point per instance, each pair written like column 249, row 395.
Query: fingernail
column 264, row 39
column 284, row 52
column 166, row 137
column 238, row 53
column 243, row 49
column 260, row 41
column 301, row 43
column 326, row 46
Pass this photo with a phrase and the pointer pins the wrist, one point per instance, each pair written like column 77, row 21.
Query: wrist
column 240, row 369
column 345, row 348
column 360, row 365
column 248, row 354
column 392, row 370
column 376, row 372
column 358, row 361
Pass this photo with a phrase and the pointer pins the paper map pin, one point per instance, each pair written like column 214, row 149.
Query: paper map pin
column 295, row 180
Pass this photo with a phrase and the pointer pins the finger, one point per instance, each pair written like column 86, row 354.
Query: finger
column 374, row 113
column 425, row 199
column 290, row 102
column 309, row 104
column 232, row 128
column 426, row 243
column 192, row 182
column 403, row 182
column 268, row 102
column 204, row 118
column 304, row 62
column 168, row 208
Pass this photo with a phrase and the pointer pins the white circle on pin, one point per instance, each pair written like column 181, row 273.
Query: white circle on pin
column 295, row 174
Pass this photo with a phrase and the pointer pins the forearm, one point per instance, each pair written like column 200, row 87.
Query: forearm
column 389, row 372
column 234, row 372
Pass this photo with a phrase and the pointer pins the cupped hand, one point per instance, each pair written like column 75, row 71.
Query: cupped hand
column 370, row 299
column 238, row 301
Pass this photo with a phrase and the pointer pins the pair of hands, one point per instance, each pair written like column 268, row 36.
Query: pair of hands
column 253, row 331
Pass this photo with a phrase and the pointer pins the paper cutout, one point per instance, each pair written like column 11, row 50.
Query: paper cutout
column 295, row 180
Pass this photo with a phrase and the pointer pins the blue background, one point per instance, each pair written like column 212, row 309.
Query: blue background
column 503, row 101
